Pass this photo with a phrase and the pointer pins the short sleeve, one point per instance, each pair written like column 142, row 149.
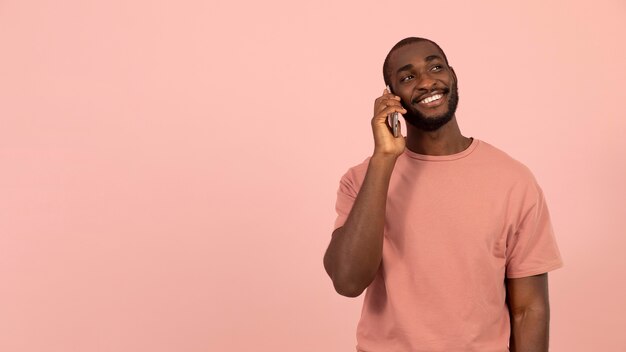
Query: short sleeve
column 346, row 194
column 532, row 249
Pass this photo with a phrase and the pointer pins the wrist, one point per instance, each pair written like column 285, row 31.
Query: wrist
column 383, row 158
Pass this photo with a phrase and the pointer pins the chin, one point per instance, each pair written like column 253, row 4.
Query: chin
column 428, row 123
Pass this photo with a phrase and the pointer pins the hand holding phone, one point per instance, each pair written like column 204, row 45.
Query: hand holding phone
column 386, row 142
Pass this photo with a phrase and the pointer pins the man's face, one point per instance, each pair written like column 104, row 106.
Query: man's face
column 426, row 84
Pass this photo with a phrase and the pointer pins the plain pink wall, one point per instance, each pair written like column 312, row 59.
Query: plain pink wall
column 169, row 169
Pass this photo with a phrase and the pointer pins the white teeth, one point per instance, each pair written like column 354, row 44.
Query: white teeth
column 431, row 98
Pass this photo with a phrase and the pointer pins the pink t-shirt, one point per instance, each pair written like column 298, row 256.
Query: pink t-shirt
column 456, row 226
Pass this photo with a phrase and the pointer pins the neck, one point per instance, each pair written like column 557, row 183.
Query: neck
column 444, row 141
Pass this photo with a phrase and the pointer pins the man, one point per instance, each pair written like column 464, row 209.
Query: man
column 451, row 236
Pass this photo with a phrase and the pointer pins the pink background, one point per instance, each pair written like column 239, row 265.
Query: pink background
column 169, row 169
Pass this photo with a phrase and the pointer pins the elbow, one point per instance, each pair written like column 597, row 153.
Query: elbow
column 347, row 286
column 345, row 281
column 348, row 290
column 343, row 286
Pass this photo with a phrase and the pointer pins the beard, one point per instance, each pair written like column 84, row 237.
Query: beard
column 418, row 120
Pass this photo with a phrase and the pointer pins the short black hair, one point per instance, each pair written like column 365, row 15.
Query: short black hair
column 405, row 42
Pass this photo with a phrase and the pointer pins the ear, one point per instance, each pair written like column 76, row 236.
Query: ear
column 453, row 74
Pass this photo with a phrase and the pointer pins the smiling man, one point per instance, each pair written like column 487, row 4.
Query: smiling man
column 450, row 236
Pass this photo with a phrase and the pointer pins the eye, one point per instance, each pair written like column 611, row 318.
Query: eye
column 403, row 79
column 436, row 68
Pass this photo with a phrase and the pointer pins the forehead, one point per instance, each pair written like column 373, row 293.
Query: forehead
column 414, row 53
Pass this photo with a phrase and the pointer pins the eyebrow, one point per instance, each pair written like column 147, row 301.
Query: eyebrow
column 432, row 57
column 404, row 68
column 428, row 58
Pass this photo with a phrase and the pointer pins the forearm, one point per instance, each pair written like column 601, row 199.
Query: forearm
column 355, row 252
column 530, row 330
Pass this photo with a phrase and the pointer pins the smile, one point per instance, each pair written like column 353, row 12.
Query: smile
column 431, row 98
column 432, row 101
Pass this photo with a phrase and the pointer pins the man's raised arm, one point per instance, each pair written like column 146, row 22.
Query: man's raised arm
column 355, row 250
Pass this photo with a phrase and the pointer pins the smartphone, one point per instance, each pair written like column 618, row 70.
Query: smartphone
column 393, row 120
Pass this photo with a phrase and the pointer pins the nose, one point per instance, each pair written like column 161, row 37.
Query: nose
column 426, row 82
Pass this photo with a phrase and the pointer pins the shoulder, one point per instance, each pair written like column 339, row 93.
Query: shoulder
column 358, row 169
column 356, row 173
column 511, row 178
column 504, row 165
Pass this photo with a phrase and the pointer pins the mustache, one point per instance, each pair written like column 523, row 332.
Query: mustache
column 444, row 90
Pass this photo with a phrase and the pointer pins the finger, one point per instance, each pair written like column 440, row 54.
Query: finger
column 388, row 124
column 386, row 95
column 387, row 91
column 390, row 109
column 382, row 98
column 385, row 103
column 389, row 128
